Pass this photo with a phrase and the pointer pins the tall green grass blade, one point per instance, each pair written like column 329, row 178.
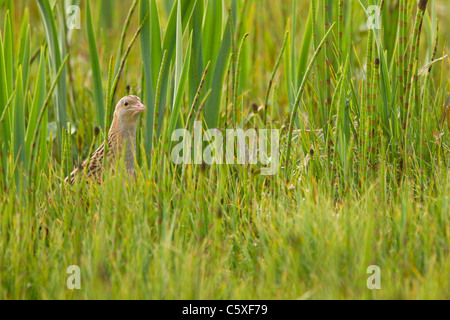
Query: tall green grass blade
column 8, row 53
column 156, row 42
column 107, row 13
column 157, row 101
column 151, row 51
column 212, row 30
column 37, row 104
column 19, row 128
column 212, row 107
column 5, row 124
column 43, row 112
column 49, row 23
column 178, row 50
column 96, row 69
column 109, row 107
column 169, row 45
column 24, row 50
column 147, row 64
column 180, row 89
column 305, row 49
column 293, row 48
column 197, row 50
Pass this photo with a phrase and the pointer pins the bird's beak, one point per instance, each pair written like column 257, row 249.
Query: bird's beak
column 140, row 107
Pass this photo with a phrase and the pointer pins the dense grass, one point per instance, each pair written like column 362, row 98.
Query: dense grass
column 364, row 176
column 169, row 241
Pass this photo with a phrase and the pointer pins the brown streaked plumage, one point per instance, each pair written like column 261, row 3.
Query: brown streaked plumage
column 122, row 133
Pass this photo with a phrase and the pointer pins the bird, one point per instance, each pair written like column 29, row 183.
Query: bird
column 122, row 133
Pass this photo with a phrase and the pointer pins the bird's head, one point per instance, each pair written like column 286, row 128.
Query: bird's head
column 129, row 109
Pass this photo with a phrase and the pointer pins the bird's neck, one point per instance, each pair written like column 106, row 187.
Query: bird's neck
column 123, row 130
column 124, row 133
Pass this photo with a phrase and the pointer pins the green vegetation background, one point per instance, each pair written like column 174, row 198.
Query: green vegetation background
column 363, row 181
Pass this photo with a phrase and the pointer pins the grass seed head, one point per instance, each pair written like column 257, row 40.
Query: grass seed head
column 423, row 4
column 255, row 108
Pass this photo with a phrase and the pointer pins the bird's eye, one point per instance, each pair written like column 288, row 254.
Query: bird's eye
column 127, row 104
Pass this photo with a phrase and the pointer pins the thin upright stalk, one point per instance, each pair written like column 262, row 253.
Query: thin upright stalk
column 124, row 34
column 44, row 108
column 340, row 28
column 373, row 119
column 414, row 58
column 122, row 63
column 157, row 101
column 197, row 95
column 300, row 95
column 401, row 50
column 233, row 66
column 272, row 77
column 237, row 72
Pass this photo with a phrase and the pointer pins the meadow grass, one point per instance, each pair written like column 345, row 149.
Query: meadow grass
column 364, row 176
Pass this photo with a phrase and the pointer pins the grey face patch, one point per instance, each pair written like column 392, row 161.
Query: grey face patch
column 129, row 101
column 136, row 98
